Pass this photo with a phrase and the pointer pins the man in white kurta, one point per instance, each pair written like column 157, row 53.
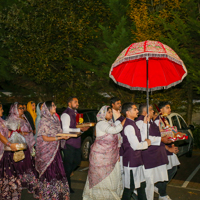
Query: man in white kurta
column 132, row 148
column 165, row 108
column 155, row 157
column 115, row 104
column 171, row 151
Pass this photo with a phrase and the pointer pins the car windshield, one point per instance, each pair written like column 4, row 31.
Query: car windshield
column 182, row 122
column 92, row 116
column 85, row 118
column 175, row 122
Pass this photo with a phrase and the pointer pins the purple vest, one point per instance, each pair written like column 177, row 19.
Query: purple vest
column 74, row 142
column 131, row 157
column 121, row 118
column 154, row 156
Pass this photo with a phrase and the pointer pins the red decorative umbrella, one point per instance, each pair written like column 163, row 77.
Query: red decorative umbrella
column 148, row 65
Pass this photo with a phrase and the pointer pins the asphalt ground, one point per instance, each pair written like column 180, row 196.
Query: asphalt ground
column 184, row 186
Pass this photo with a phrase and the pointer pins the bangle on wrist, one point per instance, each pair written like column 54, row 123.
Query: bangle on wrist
column 8, row 144
column 56, row 138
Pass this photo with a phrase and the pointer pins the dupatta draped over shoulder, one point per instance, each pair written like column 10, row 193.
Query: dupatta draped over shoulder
column 104, row 153
column 15, row 122
column 3, row 131
column 49, row 125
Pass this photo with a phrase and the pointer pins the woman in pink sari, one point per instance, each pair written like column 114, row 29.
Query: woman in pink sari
column 25, row 168
column 104, row 175
column 10, row 185
column 52, row 179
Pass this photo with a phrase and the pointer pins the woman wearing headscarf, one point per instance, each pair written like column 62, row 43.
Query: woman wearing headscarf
column 52, row 179
column 10, row 185
column 31, row 114
column 104, row 175
column 25, row 168
column 38, row 118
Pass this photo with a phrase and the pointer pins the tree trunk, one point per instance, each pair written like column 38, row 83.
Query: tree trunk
column 189, row 103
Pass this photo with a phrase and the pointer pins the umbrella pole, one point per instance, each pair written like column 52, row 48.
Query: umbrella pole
column 147, row 59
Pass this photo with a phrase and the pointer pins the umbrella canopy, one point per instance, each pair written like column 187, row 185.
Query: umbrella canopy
column 165, row 68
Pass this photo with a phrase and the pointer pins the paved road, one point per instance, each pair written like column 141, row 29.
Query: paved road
column 184, row 186
column 186, row 183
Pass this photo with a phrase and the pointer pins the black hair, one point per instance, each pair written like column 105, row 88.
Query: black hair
column 142, row 106
column 19, row 104
column 48, row 104
column 71, row 98
column 113, row 100
column 155, row 112
column 32, row 102
column 108, row 108
column 1, row 104
column 126, row 107
column 40, row 104
column 163, row 104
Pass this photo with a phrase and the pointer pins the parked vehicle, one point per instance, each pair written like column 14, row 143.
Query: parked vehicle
column 88, row 137
column 184, row 146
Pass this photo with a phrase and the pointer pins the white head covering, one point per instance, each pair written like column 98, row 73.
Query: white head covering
column 101, row 115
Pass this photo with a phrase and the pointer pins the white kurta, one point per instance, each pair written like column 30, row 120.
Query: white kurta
column 173, row 161
column 65, row 120
column 116, row 114
column 111, row 187
column 138, row 172
column 156, row 174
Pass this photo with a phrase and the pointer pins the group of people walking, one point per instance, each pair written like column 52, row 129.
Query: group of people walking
column 40, row 168
column 123, row 161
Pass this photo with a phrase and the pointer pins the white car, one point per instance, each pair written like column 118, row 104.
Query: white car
column 184, row 146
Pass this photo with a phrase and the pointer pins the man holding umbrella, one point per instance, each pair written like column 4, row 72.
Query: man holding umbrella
column 155, row 157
